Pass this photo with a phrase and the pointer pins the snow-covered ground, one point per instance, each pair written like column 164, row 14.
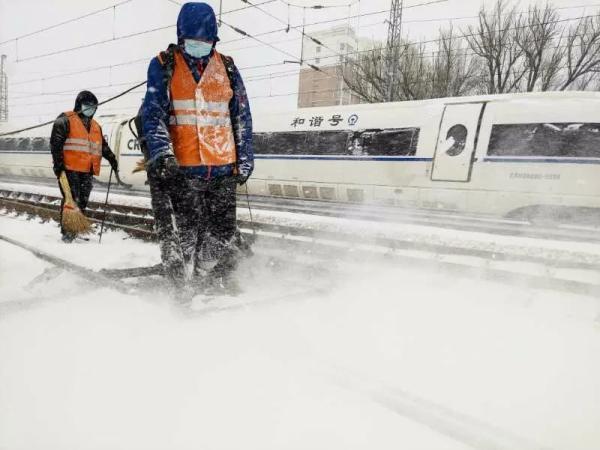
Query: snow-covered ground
column 346, row 354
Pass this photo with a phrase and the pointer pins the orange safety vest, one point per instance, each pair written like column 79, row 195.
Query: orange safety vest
column 199, row 124
column 82, row 150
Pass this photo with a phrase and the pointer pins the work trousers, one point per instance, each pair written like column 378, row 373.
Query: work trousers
column 195, row 220
column 81, row 185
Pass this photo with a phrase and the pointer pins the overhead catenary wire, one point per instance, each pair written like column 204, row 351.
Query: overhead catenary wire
column 464, row 36
column 437, row 19
column 440, row 19
column 108, row 100
column 259, row 66
column 318, row 6
column 132, row 108
column 113, row 7
column 264, row 77
column 404, row 45
column 250, row 36
column 459, row 52
column 346, row 18
column 74, row 19
column 115, row 38
column 236, row 29
column 303, row 33
column 72, row 91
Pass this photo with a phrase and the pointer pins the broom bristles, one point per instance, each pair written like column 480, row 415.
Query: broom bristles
column 74, row 221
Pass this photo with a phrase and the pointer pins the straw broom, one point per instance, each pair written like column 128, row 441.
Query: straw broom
column 73, row 220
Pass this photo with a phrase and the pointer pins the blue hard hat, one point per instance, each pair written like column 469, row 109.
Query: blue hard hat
column 197, row 20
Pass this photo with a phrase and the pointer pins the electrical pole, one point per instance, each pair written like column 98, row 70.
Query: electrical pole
column 3, row 91
column 394, row 41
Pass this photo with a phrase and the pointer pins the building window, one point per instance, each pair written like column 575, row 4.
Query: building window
column 546, row 140
column 317, row 60
column 318, row 49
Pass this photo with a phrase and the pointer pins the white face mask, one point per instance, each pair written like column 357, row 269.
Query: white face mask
column 197, row 49
column 88, row 110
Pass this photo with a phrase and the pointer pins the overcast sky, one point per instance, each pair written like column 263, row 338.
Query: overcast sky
column 41, row 100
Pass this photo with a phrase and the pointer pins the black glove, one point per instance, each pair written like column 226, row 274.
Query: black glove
column 166, row 167
column 114, row 164
column 58, row 169
column 244, row 173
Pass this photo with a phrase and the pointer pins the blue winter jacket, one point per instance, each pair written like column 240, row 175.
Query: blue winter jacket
column 196, row 20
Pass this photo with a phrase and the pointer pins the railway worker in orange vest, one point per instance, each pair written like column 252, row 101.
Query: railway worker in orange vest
column 77, row 147
column 197, row 135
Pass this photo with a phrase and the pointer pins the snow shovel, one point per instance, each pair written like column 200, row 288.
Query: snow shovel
column 73, row 220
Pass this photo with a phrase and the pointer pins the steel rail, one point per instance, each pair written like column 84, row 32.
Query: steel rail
column 547, row 274
column 448, row 220
column 133, row 218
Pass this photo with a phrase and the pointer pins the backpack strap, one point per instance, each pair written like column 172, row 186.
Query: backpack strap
column 230, row 68
column 167, row 61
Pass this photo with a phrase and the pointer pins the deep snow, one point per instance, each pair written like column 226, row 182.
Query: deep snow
column 377, row 356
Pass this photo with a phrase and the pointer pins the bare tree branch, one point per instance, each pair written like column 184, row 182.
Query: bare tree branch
column 506, row 52
column 583, row 50
column 493, row 40
column 535, row 34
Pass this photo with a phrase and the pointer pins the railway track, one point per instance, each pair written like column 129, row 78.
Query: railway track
column 440, row 219
column 561, row 270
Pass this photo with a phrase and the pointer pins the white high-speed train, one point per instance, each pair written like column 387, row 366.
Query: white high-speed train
column 502, row 155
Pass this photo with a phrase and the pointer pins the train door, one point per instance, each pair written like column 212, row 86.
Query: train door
column 456, row 142
column 118, row 131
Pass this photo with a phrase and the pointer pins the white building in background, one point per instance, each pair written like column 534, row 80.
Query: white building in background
column 327, row 88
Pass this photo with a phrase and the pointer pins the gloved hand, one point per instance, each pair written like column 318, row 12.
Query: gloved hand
column 244, row 173
column 166, row 167
column 241, row 179
column 114, row 164
column 58, row 169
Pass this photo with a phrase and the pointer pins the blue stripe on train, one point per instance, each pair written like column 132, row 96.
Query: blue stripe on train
column 343, row 158
column 544, row 160
column 378, row 158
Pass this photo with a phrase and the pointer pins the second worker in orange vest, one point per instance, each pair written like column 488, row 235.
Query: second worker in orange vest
column 77, row 147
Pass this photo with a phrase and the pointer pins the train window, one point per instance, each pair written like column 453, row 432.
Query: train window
column 40, row 144
column 23, row 144
column 546, row 139
column 328, row 142
column 287, row 143
column 391, row 142
column 259, row 141
column 9, row 144
column 302, row 143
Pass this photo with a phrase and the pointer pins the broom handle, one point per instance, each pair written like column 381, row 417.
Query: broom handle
column 64, row 182
column 105, row 205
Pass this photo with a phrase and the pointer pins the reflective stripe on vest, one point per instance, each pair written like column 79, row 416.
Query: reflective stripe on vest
column 199, row 124
column 82, row 150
